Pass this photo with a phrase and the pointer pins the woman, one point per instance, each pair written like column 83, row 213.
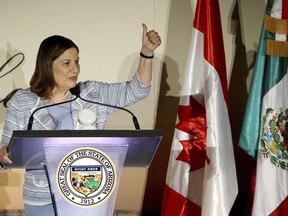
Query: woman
column 57, row 69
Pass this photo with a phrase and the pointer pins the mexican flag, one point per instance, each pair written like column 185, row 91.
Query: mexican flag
column 264, row 131
column 201, row 176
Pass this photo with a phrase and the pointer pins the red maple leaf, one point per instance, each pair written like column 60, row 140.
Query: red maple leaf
column 194, row 149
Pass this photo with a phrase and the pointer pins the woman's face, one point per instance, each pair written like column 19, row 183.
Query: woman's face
column 66, row 69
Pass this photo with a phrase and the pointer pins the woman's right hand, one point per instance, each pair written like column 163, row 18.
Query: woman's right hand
column 4, row 156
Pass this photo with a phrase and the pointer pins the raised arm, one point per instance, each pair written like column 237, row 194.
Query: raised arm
column 150, row 41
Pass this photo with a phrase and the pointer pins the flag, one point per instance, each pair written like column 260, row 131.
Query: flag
column 201, row 176
column 264, row 131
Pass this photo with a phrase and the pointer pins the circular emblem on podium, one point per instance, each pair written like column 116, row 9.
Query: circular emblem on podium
column 86, row 177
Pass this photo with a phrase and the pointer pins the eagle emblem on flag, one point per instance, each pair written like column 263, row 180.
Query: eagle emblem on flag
column 274, row 137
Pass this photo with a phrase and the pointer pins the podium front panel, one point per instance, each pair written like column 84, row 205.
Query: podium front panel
column 26, row 147
column 84, row 180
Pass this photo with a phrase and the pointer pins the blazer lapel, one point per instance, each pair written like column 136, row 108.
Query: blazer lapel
column 42, row 118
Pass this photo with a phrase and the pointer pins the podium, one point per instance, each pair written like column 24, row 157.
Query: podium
column 83, row 167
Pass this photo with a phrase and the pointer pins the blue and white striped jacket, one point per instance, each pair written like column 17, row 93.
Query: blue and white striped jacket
column 24, row 102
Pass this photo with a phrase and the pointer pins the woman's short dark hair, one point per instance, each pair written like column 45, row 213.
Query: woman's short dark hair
column 42, row 81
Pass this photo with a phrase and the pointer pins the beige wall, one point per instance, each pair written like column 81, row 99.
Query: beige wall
column 108, row 34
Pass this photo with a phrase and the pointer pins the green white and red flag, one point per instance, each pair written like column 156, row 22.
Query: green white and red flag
column 265, row 126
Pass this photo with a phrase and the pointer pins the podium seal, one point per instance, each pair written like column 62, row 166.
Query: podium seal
column 86, row 177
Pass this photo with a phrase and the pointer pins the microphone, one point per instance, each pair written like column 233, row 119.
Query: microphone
column 76, row 91
column 30, row 122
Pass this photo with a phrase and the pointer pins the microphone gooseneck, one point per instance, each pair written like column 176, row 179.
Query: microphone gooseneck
column 30, row 122
column 76, row 91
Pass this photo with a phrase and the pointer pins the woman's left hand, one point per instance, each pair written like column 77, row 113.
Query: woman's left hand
column 4, row 155
column 150, row 41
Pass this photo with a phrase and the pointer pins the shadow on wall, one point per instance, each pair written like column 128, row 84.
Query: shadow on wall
column 238, row 95
column 11, row 75
column 165, row 121
column 178, row 39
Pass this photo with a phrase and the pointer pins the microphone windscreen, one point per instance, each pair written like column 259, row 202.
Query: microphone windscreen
column 75, row 90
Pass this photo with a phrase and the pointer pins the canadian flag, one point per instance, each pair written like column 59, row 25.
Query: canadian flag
column 201, row 177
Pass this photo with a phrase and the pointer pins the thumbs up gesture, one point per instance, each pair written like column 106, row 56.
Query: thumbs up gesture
column 150, row 41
